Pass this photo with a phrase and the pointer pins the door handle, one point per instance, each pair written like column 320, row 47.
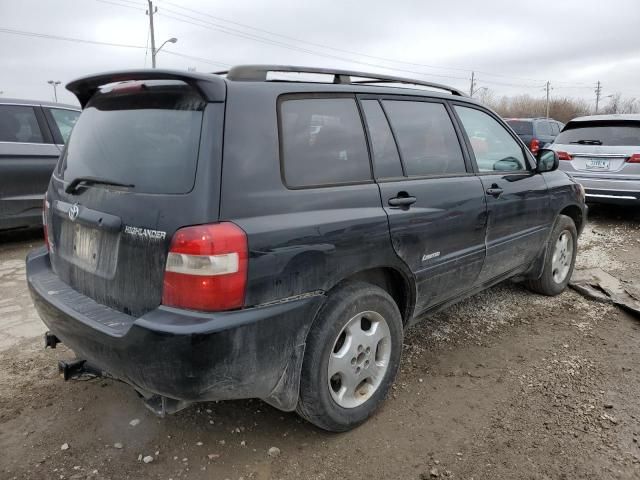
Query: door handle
column 495, row 191
column 402, row 201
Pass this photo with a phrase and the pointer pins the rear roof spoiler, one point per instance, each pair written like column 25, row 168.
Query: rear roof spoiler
column 211, row 87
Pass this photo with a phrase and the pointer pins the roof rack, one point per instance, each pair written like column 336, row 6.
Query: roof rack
column 259, row 73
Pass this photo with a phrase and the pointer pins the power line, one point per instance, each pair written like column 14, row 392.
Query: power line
column 109, row 44
column 351, row 52
column 66, row 39
column 211, row 26
column 269, row 41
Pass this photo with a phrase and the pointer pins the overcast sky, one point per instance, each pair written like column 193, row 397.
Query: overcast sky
column 513, row 46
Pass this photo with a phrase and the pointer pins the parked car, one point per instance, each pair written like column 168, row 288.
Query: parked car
column 536, row 133
column 602, row 152
column 32, row 135
column 219, row 237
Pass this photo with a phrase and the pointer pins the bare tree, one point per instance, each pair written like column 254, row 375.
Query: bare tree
column 525, row 106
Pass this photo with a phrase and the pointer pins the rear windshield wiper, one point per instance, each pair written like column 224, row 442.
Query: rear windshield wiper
column 588, row 142
column 76, row 182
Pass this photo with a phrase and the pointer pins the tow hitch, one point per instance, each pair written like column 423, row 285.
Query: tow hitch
column 77, row 369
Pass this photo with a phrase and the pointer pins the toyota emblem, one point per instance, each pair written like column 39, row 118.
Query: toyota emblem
column 73, row 212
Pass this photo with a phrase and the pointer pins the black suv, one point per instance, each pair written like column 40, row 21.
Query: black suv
column 236, row 235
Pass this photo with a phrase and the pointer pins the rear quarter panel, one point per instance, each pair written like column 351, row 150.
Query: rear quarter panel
column 300, row 240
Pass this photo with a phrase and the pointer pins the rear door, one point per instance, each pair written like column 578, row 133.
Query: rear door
column 434, row 203
column 516, row 196
column 27, row 158
column 156, row 147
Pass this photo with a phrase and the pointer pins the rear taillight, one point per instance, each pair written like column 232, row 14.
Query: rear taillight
column 534, row 145
column 635, row 158
column 564, row 156
column 206, row 268
column 45, row 214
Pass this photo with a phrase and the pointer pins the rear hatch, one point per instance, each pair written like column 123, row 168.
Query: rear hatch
column 143, row 160
column 600, row 148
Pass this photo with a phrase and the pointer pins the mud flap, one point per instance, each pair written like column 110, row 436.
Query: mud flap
column 284, row 395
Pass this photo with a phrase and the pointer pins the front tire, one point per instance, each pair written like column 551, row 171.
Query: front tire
column 351, row 358
column 560, row 259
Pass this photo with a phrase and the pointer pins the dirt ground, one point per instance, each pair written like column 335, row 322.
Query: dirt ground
column 506, row 385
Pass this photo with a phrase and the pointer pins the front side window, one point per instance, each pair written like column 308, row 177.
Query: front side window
column 18, row 123
column 495, row 150
column 323, row 142
column 427, row 140
column 65, row 120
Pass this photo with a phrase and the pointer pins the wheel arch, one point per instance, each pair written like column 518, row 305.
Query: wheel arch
column 395, row 282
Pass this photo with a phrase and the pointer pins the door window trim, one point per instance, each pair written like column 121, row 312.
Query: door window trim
column 315, row 95
column 525, row 151
column 359, row 100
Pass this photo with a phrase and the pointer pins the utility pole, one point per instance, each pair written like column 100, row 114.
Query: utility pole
column 150, row 12
column 473, row 84
column 548, row 88
column 598, row 92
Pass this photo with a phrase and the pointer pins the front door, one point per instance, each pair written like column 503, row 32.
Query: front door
column 517, row 201
column 434, row 203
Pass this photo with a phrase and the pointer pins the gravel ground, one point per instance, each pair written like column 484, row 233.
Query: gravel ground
column 504, row 385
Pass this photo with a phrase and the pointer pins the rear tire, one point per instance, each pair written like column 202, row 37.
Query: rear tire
column 560, row 259
column 357, row 337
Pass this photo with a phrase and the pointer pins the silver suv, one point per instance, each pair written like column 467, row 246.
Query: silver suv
column 602, row 152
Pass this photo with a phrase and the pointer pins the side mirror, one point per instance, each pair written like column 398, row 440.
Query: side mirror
column 548, row 160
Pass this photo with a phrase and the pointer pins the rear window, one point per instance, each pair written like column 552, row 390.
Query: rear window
column 521, row 127
column 142, row 134
column 323, row 142
column 543, row 128
column 601, row 133
column 19, row 124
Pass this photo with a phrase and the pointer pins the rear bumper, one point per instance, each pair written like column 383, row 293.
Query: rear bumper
column 620, row 192
column 183, row 355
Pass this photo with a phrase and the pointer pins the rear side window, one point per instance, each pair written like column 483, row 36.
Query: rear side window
column 555, row 128
column 19, row 124
column 521, row 127
column 144, row 134
column 543, row 128
column 427, row 140
column 494, row 148
column 601, row 133
column 323, row 142
column 385, row 153
column 65, row 120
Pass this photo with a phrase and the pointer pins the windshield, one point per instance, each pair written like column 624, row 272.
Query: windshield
column 146, row 135
column 601, row 133
column 521, row 127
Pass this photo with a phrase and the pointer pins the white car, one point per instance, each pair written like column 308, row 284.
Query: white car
column 602, row 152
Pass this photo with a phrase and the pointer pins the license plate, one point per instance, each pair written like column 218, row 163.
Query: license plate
column 85, row 245
column 597, row 164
